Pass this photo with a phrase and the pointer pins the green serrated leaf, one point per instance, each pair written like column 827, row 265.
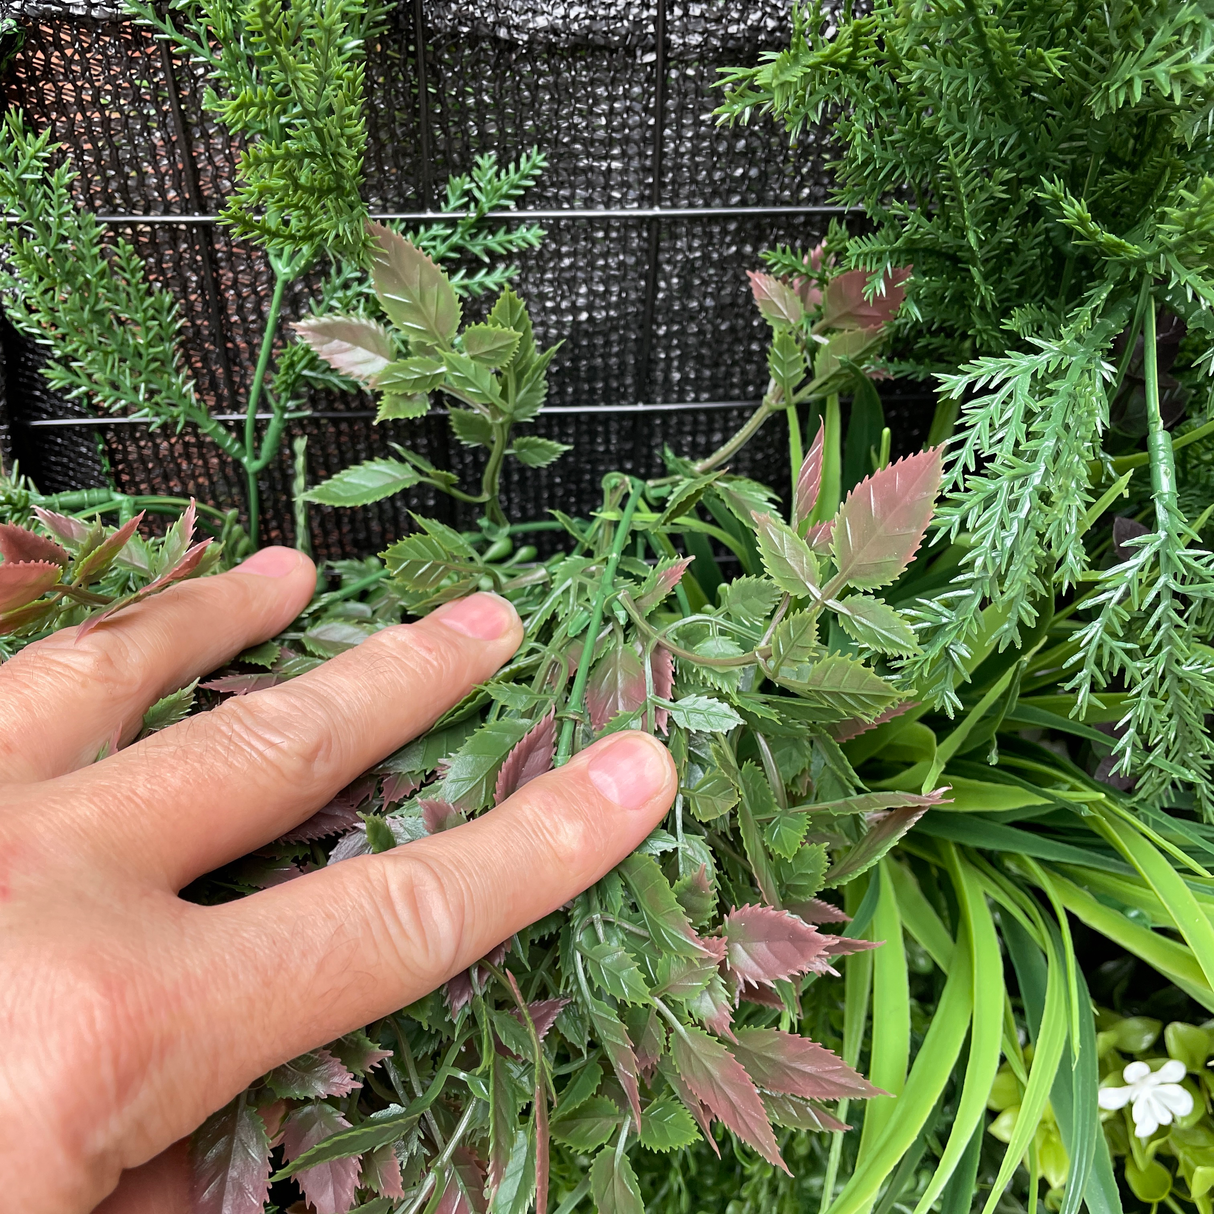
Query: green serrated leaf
column 169, row 710
column 537, row 452
column 702, row 714
column 786, row 557
column 471, row 428
column 592, row 1123
column 667, row 1126
column 876, row 624
column 490, row 345
column 579, row 1089
column 786, row 362
column 411, row 375
column 364, row 483
column 473, row 768
column 414, row 293
column 395, row 408
column 712, row 795
column 749, row 599
column 844, row 685
column 265, row 654
column 795, row 640
column 684, row 498
column 611, row 967
column 785, row 833
column 470, row 380
column 613, row 1184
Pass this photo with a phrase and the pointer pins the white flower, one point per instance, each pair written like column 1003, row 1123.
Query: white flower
column 1156, row 1096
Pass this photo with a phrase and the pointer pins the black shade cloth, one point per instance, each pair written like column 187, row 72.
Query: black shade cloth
column 651, row 309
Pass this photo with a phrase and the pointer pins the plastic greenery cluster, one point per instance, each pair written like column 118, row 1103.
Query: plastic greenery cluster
column 1047, row 170
column 287, row 80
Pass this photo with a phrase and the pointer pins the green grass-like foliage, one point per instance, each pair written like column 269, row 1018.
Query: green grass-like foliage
column 1046, row 169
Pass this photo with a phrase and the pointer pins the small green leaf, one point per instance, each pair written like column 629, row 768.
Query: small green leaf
column 380, row 1128
column 489, row 345
column 795, row 640
column 411, row 375
column 786, row 362
column 470, row 380
column 611, row 967
column 667, row 1126
column 614, row 1184
column 471, row 428
column 702, row 714
column 846, row 686
column 785, row 834
column 712, row 795
column 786, row 556
column 590, row 1125
column 168, row 711
column 265, row 654
column 664, row 917
column 537, row 452
column 579, row 1089
column 749, row 599
column 364, row 483
column 876, row 624
column 394, row 408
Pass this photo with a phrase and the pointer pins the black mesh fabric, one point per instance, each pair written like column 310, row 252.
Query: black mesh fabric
column 651, row 309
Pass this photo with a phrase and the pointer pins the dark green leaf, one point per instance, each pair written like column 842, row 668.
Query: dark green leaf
column 380, row 1128
column 880, row 837
column 579, row 1089
column 611, row 967
column 537, row 452
column 168, row 711
column 589, row 1125
column 713, row 794
column 785, row 834
column 613, row 1184
column 396, row 408
column 471, row 428
column 664, row 917
column 473, row 768
column 666, row 1126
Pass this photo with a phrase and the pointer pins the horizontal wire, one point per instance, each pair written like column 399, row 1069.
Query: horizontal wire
column 578, row 213
column 352, row 414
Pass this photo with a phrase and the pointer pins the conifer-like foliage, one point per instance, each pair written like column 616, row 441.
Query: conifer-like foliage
column 1046, row 169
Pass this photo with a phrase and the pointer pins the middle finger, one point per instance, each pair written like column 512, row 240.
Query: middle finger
column 225, row 782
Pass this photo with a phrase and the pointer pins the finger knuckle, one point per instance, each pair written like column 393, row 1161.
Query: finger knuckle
column 416, row 651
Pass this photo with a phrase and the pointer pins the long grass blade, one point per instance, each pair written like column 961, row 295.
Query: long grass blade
column 919, row 917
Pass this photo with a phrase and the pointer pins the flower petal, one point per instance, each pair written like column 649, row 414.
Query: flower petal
column 1114, row 1098
column 1175, row 1099
column 1145, row 1120
column 1172, row 1071
column 1136, row 1072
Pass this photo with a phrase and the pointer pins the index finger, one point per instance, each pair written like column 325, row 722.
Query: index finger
column 224, row 782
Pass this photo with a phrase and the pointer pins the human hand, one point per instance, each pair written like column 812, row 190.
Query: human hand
column 127, row 1015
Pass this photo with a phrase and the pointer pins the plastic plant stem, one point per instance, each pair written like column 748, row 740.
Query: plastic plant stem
column 740, row 439
column 1159, row 445
column 832, row 463
column 573, row 705
column 250, row 417
column 795, row 453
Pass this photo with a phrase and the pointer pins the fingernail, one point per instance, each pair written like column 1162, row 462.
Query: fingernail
column 484, row 617
column 271, row 562
column 630, row 771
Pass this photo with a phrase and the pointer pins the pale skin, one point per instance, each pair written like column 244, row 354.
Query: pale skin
column 128, row 1015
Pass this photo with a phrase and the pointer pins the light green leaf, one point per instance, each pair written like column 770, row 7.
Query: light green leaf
column 490, row 345
column 611, row 967
column 471, row 428
column 749, row 599
column 592, row 1123
column 364, row 483
column 394, row 408
column 786, row 557
column 712, row 795
column 169, row 710
column 518, row 1181
column 614, row 1184
column 785, row 833
column 411, row 375
column 473, row 768
column 876, row 624
column 795, row 639
column 379, row 1129
column 702, row 714
column 667, row 1126
column 786, row 362
column 537, row 452
column 846, row 685
column 470, row 380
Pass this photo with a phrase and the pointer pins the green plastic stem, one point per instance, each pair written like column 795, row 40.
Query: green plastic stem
column 249, row 457
column 574, row 704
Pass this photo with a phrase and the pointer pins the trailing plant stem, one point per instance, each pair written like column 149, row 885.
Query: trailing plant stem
column 742, row 437
column 574, row 704
column 1159, row 445
column 248, row 457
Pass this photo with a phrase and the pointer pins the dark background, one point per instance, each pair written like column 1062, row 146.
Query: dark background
column 653, row 310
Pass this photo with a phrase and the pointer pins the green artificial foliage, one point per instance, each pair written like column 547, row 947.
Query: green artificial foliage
column 1046, row 169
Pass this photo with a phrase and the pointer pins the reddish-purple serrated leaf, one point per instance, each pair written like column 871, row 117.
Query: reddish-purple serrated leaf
column 457, row 991
column 703, row 1117
column 720, row 1081
column 381, row 1172
column 359, row 1053
column 617, row 1045
column 661, row 665
column 765, row 944
column 879, row 527
column 616, row 685
column 242, row 684
column 69, row 529
column 278, row 874
column 884, row 830
column 90, row 567
column 809, row 479
column 338, row 816
column 440, row 815
column 818, row 537
column 796, row 1114
column 844, row 731
column 397, row 786
column 543, row 1014
column 230, row 1153
column 713, row 1008
column 816, row 910
column 784, row 1062
column 20, row 544
column 650, row 1045
column 777, row 300
column 763, row 996
column 352, row 345
column 465, row 1192
column 329, row 1187
column 21, row 582
column 846, row 307
column 531, row 757
column 311, row 1076
column 844, row 946
column 666, row 581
